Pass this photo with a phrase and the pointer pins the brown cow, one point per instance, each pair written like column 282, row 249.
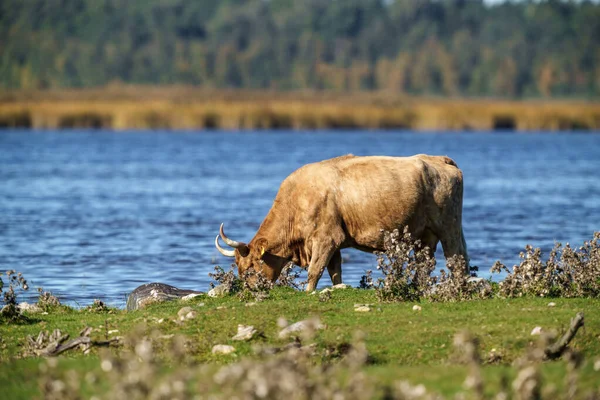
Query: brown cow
column 350, row 201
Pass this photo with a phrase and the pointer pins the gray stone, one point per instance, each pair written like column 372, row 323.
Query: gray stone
column 536, row 331
column 222, row 349
column 150, row 293
column 186, row 313
column 341, row 286
column 218, row 291
column 301, row 327
column 244, row 333
column 30, row 308
column 191, row 296
column 182, row 312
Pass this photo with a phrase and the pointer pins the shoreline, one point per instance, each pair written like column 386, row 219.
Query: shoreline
column 131, row 108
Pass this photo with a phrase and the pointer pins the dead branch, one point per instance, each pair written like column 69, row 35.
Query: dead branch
column 86, row 342
column 556, row 349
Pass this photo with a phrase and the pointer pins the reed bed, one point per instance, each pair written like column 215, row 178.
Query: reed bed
column 183, row 108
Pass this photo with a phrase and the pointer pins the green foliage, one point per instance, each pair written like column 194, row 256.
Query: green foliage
column 525, row 48
column 161, row 350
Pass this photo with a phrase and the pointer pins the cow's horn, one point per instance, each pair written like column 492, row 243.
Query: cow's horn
column 227, row 253
column 232, row 243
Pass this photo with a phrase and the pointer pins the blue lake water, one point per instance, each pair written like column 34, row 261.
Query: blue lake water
column 93, row 214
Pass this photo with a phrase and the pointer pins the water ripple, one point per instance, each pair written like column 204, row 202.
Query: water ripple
column 94, row 214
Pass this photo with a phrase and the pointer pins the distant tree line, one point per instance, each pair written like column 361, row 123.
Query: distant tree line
column 524, row 48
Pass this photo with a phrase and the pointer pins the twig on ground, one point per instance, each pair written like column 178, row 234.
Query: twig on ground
column 556, row 349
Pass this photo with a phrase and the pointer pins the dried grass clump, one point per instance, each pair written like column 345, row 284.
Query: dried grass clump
column 452, row 287
column 16, row 281
column 528, row 383
column 250, row 286
column 566, row 273
column 150, row 365
column 137, row 372
column 253, row 285
column 142, row 370
column 98, row 307
column 293, row 374
column 47, row 301
column 56, row 384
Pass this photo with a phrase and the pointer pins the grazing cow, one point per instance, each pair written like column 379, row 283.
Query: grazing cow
column 350, row 201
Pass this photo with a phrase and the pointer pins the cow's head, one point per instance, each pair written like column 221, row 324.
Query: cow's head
column 253, row 256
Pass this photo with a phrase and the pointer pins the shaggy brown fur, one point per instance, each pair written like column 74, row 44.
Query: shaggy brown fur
column 350, row 201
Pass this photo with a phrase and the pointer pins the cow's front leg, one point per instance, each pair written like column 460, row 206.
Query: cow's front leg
column 335, row 268
column 318, row 262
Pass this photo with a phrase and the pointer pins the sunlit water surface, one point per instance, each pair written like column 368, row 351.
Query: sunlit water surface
column 93, row 214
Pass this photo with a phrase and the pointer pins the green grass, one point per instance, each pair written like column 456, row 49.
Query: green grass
column 402, row 343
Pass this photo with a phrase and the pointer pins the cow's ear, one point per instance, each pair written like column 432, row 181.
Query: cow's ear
column 262, row 245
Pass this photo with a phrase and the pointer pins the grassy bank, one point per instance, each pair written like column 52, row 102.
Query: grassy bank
column 403, row 344
column 533, row 335
column 133, row 107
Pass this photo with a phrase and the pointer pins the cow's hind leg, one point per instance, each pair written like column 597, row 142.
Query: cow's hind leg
column 453, row 243
column 335, row 268
column 429, row 240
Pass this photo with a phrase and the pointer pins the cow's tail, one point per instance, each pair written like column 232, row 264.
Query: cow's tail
column 465, row 252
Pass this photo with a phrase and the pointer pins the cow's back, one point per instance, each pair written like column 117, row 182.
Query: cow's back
column 366, row 195
column 384, row 193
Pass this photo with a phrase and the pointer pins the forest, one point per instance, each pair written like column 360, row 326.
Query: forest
column 467, row 48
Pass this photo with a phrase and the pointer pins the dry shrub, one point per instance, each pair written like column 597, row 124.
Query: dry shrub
column 407, row 266
column 141, row 370
column 293, row 374
column 228, row 279
column 16, row 282
column 47, row 301
column 137, row 372
column 467, row 350
column 528, row 383
column 98, row 307
column 457, row 286
column 253, row 285
column 567, row 272
column 289, row 277
column 57, row 384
